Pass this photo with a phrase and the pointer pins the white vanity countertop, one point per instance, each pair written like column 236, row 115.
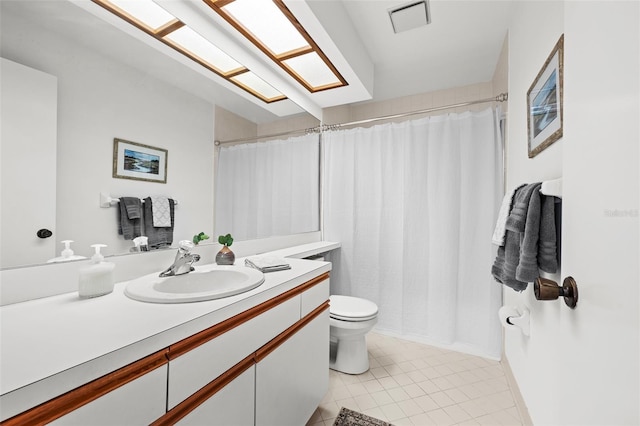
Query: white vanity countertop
column 52, row 345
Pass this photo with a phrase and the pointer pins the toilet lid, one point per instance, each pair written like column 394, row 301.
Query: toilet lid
column 349, row 308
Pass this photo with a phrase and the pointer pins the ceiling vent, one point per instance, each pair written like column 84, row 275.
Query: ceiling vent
column 409, row 16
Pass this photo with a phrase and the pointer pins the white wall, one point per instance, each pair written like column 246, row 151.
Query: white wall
column 581, row 366
column 100, row 99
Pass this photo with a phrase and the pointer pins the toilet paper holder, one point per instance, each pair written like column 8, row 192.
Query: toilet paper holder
column 515, row 318
column 546, row 289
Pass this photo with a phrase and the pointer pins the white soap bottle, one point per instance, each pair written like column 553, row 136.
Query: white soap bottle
column 97, row 278
column 67, row 254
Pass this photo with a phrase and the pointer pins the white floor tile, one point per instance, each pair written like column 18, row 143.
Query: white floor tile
column 411, row 384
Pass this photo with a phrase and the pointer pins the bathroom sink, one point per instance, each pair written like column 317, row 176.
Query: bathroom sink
column 208, row 283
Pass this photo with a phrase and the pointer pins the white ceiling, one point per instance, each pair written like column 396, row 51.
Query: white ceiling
column 460, row 47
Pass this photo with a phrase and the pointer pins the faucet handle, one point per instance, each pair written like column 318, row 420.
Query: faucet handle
column 186, row 245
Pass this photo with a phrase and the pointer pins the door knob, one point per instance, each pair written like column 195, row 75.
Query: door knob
column 44, row 233
column 546, row 289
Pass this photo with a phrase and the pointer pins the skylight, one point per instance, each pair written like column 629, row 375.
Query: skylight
column 273, row 29
column 158, row 23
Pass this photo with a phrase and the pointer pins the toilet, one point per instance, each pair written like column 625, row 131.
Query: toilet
column 350, row 319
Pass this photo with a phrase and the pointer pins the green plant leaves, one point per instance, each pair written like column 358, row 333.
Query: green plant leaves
column 226, row 240
column 200, row 237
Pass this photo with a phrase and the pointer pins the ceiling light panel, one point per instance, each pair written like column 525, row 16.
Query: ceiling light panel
column 274, row 30
column 200, row 47
column 154, row 20
column 255, row 83
column 145, row 12
column 313, row 70
column 265, row 21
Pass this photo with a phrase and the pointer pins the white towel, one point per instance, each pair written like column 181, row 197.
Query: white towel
column 161, row 212
column 503, row 214
column 552, row 187
column 267, row 263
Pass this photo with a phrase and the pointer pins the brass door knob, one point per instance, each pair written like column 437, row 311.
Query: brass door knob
column 546, row 289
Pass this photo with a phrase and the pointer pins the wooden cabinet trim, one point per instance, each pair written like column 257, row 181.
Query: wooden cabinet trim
column 185, row 407
column 282, row 337
column 191, row 342
column 76, row 398
column 191, row 403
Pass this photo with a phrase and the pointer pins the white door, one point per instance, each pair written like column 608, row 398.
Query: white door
column 597, row 368
column 28, row 159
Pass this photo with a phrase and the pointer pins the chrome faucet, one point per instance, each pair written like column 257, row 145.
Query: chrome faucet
column 183, row 261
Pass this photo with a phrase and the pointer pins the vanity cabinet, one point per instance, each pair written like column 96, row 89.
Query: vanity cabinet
column 267, row 365
column 297, row 370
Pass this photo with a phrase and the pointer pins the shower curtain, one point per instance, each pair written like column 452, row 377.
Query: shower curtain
column 414, row 205
column 268, row 188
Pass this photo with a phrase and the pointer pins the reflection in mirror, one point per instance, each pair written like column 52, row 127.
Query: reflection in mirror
column 268, row 188
column 109, row 85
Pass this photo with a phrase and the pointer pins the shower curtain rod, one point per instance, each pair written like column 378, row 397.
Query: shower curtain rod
column 502, row 97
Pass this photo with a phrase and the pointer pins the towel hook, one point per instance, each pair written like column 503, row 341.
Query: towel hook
column 546, row 289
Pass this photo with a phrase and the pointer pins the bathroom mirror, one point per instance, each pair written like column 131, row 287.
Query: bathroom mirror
column 112, row 85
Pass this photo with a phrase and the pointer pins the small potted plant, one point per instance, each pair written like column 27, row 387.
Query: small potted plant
column 200, row 237
column 225, row 256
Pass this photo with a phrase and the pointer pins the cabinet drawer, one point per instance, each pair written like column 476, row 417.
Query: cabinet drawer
column 314, row 297
column 232, row 405
column 194, row 369
column 138, row 402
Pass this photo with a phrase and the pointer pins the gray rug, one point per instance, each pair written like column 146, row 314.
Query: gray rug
column 348, row 417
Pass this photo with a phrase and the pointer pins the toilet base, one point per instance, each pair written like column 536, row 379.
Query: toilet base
column 351, row 355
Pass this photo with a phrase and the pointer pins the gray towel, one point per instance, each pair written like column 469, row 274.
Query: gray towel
column 527, row 270
column 157, row 237
column 129, row 214
column 547, row 246
column 518, row 215
column 506, row 263
column 516, row 263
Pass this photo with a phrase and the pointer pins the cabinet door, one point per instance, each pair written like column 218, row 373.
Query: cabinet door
column 191, row 371
column 292, row 380
column 231, row 406
column 139, row 402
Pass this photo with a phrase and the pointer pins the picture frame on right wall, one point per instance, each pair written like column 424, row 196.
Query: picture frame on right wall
column 544, row 102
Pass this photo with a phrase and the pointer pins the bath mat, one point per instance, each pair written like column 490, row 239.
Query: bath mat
column 348, row 417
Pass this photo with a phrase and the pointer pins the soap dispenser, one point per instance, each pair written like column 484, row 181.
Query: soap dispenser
column 97, row 278
column 66, row 254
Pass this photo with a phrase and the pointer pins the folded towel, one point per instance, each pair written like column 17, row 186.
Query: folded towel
column 518, row 216
column 552, row 187
column 158, row 237
column 129, row 214
column 133, row 206
column 547, row 246
column 503, row 214
column 267, row 263
column 527, row 270
column 516, row 264
column 161, row 212
column 506, row 263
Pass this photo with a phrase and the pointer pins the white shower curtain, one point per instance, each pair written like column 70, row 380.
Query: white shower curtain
column 414, row 205
column 268, row 188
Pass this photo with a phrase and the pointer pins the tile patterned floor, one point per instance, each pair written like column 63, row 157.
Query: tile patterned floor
column 414, row 384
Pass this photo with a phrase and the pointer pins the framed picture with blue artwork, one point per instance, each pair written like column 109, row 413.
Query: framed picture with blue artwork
column 544, row 103
column 137, row 161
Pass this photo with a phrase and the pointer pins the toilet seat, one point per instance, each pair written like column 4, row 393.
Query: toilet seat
column 347, row 308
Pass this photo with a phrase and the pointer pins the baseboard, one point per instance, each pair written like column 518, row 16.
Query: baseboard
column 515, row 391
